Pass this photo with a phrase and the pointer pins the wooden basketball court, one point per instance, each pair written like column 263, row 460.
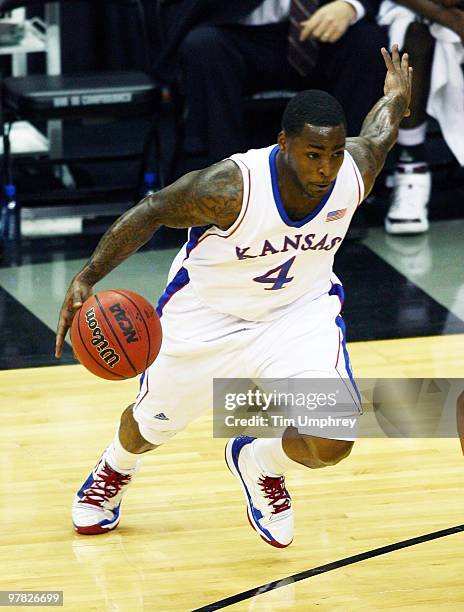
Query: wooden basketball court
column 184, row 542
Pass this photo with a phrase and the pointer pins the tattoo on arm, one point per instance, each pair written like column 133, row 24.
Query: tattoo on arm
column 210, row 196
column 378, row 135
column 124, row 237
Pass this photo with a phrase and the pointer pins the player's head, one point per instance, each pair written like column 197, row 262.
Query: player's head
column 312, row 139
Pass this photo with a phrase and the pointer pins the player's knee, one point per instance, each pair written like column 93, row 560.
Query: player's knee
column 320, row 452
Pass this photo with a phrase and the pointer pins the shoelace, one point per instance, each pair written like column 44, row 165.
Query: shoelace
column 274, row 489
column 107, row 484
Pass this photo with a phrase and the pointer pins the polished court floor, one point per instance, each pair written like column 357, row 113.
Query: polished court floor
column 380, row 531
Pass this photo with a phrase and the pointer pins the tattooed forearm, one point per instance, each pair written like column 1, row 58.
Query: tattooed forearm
column 380, row 128
column 377, row 137
column 211, row 196
column 124, row 237
column 381, row 125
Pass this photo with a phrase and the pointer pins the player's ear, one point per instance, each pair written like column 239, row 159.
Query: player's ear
column 282, row 141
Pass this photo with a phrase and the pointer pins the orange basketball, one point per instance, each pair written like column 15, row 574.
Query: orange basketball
column 116, row 334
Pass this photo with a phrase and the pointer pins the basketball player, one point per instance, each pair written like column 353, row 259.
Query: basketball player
column 251, row 295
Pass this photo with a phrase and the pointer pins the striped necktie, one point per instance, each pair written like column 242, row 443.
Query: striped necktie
column 302, row 55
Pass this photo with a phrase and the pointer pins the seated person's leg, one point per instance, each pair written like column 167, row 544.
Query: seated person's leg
column 412, row 188
column 352, row 70
column 219, row 65
column 212, row 72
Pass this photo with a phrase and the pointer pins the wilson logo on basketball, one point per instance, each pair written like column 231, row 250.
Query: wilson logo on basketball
column 130, row 334
column 99, row 341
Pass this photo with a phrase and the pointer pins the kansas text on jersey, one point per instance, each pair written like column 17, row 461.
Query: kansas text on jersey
column 265, row 260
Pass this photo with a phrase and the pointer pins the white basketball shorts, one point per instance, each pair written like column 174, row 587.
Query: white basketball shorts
column 200, row 344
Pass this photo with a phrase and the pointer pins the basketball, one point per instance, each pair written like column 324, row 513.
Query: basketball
column 116, row 334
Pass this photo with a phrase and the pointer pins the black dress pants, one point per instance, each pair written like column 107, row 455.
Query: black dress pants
column 220, row 64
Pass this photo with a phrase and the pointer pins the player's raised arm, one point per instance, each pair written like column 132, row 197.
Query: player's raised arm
column 380, row 128
column 209, row 196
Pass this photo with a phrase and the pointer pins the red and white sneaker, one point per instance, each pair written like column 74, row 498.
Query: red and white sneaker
column 269, row 505
column 96, row 506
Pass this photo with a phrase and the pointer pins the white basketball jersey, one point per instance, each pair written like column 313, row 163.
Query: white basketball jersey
column 265, row 260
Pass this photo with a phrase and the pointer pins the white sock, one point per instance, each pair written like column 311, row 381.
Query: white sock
column 271, row 457
column 412, row 136
column 119, row 458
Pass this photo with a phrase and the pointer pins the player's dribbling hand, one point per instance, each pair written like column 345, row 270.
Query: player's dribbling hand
column 78, row 291
column 399, row 75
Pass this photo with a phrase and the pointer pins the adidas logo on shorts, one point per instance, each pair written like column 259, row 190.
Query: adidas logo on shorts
column 161, row 416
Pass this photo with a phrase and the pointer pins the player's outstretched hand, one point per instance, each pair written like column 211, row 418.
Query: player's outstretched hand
column 78, row 291
column 399, row 75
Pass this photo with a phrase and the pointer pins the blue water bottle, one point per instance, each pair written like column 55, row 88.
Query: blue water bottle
column 11, row 217
column 150, row 180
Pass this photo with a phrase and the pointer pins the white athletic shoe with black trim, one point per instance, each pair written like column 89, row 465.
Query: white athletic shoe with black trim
column 269, row 506
column 97, row 504
column 411, row 194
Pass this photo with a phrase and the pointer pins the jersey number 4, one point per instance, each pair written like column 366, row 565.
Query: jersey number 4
column 280, row 278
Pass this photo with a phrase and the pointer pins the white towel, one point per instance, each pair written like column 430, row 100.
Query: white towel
column 446, row 96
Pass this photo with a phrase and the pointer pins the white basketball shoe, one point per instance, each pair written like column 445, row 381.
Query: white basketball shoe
column 269, row 506
column 411, row 194
column 97, row 504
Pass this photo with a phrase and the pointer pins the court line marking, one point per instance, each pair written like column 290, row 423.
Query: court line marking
column 328, row 567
